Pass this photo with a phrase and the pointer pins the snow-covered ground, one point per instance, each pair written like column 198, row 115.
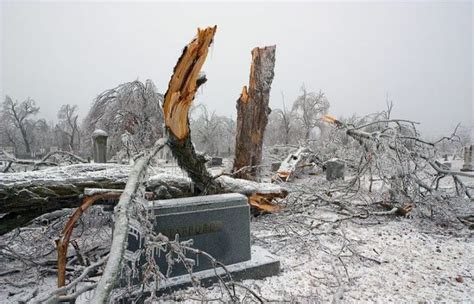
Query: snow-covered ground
column 378, row 259
column 372, row 261
column 325, row 257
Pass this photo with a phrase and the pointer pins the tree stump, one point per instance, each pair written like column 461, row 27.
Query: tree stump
column 252, row 113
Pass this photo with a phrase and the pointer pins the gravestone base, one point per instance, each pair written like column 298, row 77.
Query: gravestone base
column 263, row 264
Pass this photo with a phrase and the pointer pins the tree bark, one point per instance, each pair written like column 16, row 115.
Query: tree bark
column 252, row 113
column 25, row 140
column 27, row 195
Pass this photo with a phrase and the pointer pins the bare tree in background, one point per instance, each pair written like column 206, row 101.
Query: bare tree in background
column 212, row 133
column 229, row 125
column 18, row 117
column 68, row 126
column 132, row 108
column 309, row 108
column 284, row 117
column 8, row 133
column 206, row 130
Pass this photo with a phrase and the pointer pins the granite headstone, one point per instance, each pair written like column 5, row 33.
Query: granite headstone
column 218, row 225
column 335, row 169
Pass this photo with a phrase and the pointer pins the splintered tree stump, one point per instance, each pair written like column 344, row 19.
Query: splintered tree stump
column 182, row 88
column 184, row 83
column 252, row 114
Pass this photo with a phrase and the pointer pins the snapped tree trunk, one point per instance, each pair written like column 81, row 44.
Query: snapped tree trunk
column 252, row 113
column 182, row 87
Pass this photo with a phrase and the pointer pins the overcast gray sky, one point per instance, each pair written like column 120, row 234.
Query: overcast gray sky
column 420, row 54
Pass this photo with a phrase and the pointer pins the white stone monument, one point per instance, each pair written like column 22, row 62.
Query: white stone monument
column 99, row 152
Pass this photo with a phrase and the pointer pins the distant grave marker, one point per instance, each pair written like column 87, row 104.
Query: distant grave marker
column 467, row 166
column 335, row 169
column 99, row 151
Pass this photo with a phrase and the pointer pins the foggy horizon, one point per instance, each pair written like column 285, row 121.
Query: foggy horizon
column 417, row 54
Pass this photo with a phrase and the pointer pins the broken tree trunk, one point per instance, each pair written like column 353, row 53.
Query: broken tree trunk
column 252, row 113
column 181, row 90
column 182, row 87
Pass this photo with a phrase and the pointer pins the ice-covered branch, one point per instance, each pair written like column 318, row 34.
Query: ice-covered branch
column 112, row 269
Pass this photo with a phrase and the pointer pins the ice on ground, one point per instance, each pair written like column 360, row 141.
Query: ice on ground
column 377, row 260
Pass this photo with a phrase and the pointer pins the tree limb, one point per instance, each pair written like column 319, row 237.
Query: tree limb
column 122, row 210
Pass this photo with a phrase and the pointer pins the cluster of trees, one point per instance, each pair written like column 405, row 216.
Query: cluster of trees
column 212, row 133
column 301, row 122
column 29, row 135
column 132, row 116
column 130, row 113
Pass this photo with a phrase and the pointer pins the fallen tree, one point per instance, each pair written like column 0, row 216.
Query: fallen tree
column 391, row 154
column 27, row 195
column 122, row 214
